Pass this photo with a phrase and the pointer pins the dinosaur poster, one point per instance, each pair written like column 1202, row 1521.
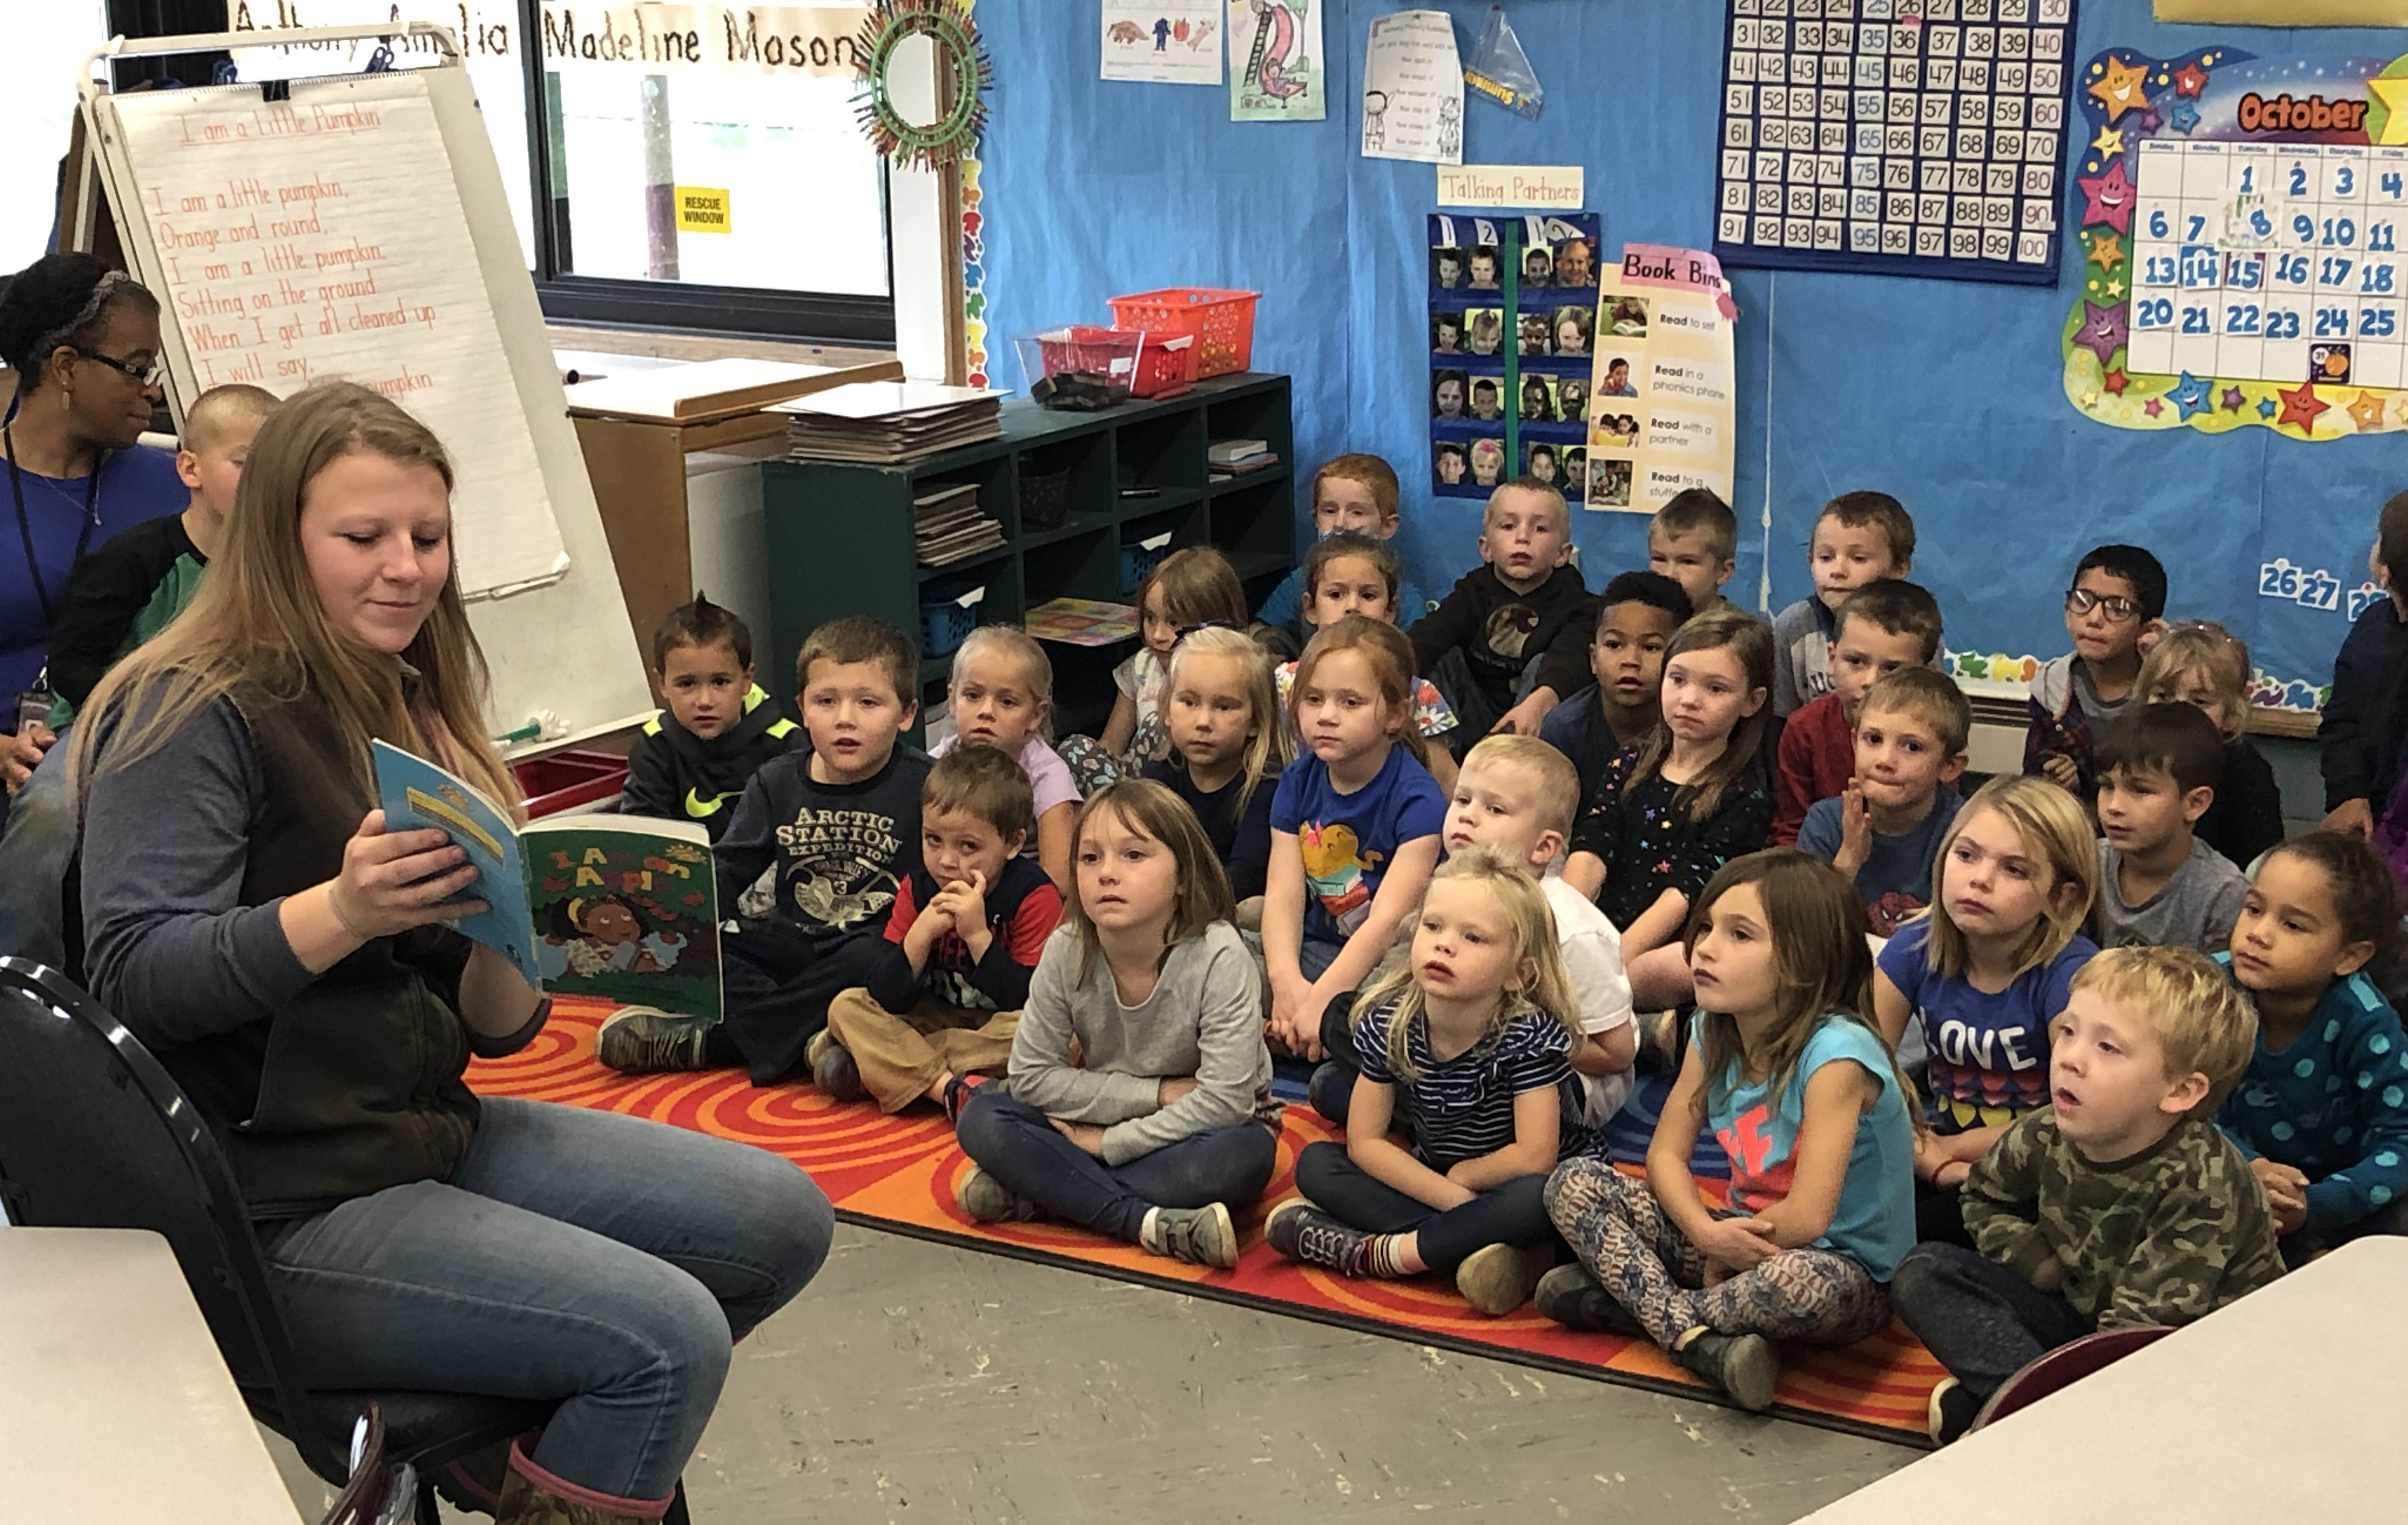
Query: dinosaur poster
column 1164, row 42
column 1275, row 64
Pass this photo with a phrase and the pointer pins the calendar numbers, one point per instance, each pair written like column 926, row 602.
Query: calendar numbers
column 1926, row 136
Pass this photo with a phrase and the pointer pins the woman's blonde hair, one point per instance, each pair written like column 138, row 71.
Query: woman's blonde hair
column 257, row 620
column 2213, row 652
column 1750, row 640
column 1539, row 982
column 1151, row 810
column 1015, row 644
column 2055, row 829
column 1391, row 656
column 1823, row 963
column 1198, row 587
column 1265, row 750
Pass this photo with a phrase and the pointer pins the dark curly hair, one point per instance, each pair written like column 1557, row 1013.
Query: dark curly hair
column 58, row 300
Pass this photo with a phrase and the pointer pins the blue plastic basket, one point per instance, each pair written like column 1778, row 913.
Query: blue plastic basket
column 943, row 628
column 1136, row 562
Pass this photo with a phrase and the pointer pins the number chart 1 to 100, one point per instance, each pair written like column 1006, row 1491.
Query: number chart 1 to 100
column 2242, row 224
column 1917, row 138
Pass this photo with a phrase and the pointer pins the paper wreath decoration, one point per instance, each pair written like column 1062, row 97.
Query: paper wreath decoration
column 963, row 74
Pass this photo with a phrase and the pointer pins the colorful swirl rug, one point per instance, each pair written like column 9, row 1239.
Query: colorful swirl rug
column 898, row 1173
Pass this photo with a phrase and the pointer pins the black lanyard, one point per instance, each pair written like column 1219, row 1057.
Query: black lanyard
column 25, row 526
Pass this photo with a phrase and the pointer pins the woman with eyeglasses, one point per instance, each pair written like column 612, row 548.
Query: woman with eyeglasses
column 83, row 342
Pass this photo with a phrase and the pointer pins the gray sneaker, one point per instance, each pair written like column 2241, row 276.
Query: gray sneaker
column 1741, row 1365
column 645, row 1040
column 1572, row 1298
column 1200, row 1236
column 987, row 1199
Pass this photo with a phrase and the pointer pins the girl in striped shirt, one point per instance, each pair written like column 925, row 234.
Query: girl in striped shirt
column 1471, row 1040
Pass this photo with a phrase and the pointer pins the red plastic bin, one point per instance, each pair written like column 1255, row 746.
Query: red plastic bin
column 570, row 781
column 1222, row 322
column 1154, row 365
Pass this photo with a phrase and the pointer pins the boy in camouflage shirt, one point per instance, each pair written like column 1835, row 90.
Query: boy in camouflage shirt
column 2119, row 1205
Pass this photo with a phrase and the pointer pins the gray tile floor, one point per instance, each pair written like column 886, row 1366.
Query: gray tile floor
column 915, row 1381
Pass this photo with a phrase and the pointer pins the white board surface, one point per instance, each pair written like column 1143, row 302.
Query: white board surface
column 452, row 330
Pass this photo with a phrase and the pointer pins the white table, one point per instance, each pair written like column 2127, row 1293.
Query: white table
column 2288, row 1406
column 114, row 1402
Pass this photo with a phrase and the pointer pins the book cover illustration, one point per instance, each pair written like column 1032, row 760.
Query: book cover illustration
column 417, row 794
column 625, row 916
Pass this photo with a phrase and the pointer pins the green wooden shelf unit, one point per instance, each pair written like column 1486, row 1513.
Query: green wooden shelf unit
column 839, row 536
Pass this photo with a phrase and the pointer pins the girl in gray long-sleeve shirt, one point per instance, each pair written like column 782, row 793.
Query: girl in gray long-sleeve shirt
column 1167, row 1119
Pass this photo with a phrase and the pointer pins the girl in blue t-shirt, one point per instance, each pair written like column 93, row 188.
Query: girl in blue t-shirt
column 1801, row 1092
column 1355, row 825
column 1473, row 1039
column 1975, row 982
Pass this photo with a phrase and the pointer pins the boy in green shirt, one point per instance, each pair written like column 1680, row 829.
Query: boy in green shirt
column 2119, row 1205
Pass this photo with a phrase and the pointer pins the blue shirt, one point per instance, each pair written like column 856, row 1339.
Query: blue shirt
column 1349, row 839
column 2332, row 1106
column 1875, row 1222
column 1464, row 1108
column 1287, row 601
column 1990, row 1054
column 1896, row 881
column 1577, row 727
column 135, row 485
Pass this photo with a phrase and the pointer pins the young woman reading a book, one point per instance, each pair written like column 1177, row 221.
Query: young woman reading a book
column 244, row 903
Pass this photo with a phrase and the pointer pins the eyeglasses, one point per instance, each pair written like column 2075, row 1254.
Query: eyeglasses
column 2082, row 601
column 147, row 374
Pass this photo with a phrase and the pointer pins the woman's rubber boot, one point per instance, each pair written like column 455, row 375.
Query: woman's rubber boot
column 532, row 1496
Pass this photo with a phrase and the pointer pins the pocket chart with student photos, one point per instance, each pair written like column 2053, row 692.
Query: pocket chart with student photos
column 1512, row 329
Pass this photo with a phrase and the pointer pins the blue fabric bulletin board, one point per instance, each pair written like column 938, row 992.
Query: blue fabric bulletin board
column 1948, row 394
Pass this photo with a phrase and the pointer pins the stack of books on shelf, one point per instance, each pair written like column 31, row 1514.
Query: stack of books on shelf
column 947, row 527
column 889, row 422
column 1235, row 457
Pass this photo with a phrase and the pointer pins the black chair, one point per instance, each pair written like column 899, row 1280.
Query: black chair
column 93, row 1134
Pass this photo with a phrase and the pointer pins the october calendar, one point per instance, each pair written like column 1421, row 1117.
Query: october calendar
column 2240, row 223
column 1918, row 138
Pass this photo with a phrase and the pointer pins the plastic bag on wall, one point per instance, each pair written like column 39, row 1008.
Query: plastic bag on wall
column 1499, row 70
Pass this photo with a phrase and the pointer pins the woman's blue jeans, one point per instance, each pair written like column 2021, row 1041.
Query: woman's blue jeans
column 601, row 1260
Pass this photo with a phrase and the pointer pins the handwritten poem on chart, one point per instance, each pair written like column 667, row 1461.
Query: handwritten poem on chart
column 324, row 236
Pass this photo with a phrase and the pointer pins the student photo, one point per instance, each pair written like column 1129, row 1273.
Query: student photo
column 1628, row 317
column 1485, row 268
column 1446, row 460
column 1447, row 389
column 1447, row 332
column 1531, row 334
column 1446, row 268
column 1487, row 462
column 1575, row 263
column 1571, row 399
column 1538, row 462
column 1487, row 329
column 1617, row 380
column 1573, row 327
column 1537, row 266
column 1487, row 403
column 1609, row 482
column 1537, row 400
column 1574, row 481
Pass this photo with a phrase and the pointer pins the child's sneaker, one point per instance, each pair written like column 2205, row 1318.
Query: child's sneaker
column 1950, row 1412
column 1499, row 1278
column 645, row 1040
column 986, row 1199
column 958, row 1092
column 1200, row 1236
column 1741, row 1365
column 832, row 1066
column 1303, row 1233
column 1577, row 1301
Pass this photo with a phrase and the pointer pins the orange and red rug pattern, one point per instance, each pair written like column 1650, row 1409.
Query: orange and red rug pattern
column 898, row 1174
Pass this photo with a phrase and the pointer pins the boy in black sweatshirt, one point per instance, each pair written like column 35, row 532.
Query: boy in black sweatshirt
column 2363, row 741
column 1525, row 603
column 717, row 726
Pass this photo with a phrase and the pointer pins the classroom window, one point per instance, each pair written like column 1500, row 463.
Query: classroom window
column 38, row 105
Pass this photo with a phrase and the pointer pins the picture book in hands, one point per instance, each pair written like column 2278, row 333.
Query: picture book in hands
column 623, row 907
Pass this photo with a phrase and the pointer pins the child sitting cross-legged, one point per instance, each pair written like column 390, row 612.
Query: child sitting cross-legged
column 2158, row 885
column 1883, row 627
column 1972, row 986
column 1345, row 573
column 1228, row 741
column 1858, row 538
column 1525, row 606
column 1518, row 795
column 1001, row 693
column 2200, row 662
column 2323, row 1111
column 2120, row 1204
column 716, row 727
column 1140, row 1098
column 1694, row 540
column 1884, row 829
column 1354, row 495
column 1471, row 1036
column 943, row 999
column 1785, row 1067
column 2115, row 606
column 1637, row 617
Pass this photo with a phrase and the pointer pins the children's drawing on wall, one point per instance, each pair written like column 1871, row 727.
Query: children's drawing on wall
column 1413, row 88
column 1280, row 42
column 1526, row 366
column 1164, row 42
column 1375, row 122
column 1450, row 132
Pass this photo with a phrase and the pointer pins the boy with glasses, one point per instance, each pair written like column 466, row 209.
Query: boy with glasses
column 2115, row 606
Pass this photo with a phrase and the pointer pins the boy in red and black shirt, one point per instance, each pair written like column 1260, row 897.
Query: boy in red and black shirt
column 944, row 995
